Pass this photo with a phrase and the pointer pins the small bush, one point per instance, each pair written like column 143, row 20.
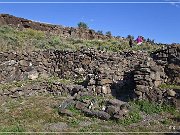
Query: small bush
column 166, row 86
column 166, row 122
column 133, row 117
column 73, row 109
column 82, row 25
column 151, row 108
column 55, row 42
column 74, row 122
column 100, row 32
column 130, row 37
column 32, row 34
column 86, row 97
column 108, row 33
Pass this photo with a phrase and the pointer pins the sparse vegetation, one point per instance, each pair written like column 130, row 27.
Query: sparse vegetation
column 37, row 111
column 130, row 37
column 100, row 32
column 86, row 97
column 108, row 33
column 15, row 39
column 166, row 122
column 49, row 80
column 133, row 117
column 74, row 122
column 151, row 108
column 74, row 110
column 168, row 86
column 14, row 128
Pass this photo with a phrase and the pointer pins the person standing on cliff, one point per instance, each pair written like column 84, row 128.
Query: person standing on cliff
column 139, row 40
column 131, row 42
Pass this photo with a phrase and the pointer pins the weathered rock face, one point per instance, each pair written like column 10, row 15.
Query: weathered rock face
column 148, row 76
column 66, row 32
column 42, row 88
column 17, row 67
column 103, row 72
column 123, row 75
column 169, row 58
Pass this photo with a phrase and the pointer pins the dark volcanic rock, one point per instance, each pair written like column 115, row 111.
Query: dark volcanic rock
column 79, row 105
column 65, row 112
column 65, row 32
column 101, row 114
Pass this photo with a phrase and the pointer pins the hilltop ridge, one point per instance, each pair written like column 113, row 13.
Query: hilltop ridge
column 66, row 32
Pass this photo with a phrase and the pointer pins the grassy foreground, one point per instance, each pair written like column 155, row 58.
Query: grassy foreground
column 40, row 114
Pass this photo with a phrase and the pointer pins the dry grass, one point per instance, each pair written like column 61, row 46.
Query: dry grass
column 28, row 39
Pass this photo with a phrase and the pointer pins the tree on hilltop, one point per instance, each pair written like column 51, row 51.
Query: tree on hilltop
column 130, row 37
column 100, row 32
column 82, row 25
column 108, row 33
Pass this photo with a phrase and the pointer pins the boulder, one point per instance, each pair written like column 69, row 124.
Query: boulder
column 105, row 89
column 142, row 88
column 112, row 110
column 116, row 102
column 120, row 114
column 104, row 81
column 33, row 75
column 171, row 93
column 79, row 105
column 65, row 112
column 101, row 114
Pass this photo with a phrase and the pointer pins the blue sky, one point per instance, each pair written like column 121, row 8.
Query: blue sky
column 156, row 21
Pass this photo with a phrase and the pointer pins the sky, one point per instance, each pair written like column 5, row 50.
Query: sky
column 158, row 21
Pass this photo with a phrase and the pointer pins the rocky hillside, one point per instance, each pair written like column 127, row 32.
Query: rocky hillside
column 99, row 71
column 84, row 81
column 66, row 32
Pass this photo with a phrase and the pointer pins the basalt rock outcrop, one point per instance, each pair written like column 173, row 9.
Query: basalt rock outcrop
column 65, row 32
column 102, row 72
column 99, row 71
column 125, row 75
column 169, row 58
column 32, row 89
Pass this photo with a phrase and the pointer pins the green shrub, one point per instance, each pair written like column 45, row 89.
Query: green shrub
column 166, row 122
column 130, row 37
column 108, row 33
column 74, row 122
column 82, row 25
column 133, row 117
column 55, row 41
column 73, row 109
column 166, row 86
column 100, row 32
column 150, row 107
column 30, row 33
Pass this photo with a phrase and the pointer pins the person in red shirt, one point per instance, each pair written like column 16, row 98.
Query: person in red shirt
column 139, row 40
